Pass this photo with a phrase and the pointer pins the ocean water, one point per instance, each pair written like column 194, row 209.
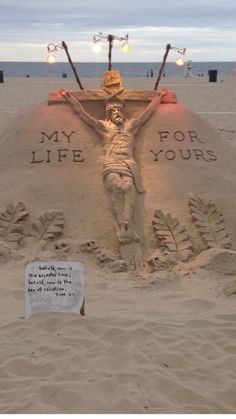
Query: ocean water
column 43, row 69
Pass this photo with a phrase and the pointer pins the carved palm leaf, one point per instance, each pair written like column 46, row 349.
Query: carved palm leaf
column 48, row 226
column 172, row 236
column 210, row 223
column 11, row 227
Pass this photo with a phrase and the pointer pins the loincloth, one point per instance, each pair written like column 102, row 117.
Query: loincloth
column 124, row 168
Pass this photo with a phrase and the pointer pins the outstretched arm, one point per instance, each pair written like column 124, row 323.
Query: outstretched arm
column 148, row 111
column 75, row 104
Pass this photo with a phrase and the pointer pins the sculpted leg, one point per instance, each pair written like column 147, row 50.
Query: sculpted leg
column 129, row 201
column 130, row 245
column 123, row 194
column 113, row 185
column 127, row 232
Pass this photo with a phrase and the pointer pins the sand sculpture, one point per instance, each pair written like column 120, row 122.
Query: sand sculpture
column 158, row 339
column 83, row 199
column 121, row 175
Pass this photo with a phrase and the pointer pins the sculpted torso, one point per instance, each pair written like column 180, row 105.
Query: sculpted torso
column 118, row 142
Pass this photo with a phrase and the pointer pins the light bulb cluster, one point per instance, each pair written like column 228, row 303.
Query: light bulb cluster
column 126, row 47
column 51, row 59
column 180, row 60
column 97, row 46
column 97, row 41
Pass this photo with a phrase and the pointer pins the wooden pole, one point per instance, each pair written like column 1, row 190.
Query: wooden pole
column 72, row 65
column 168, row 47
column 110, row 40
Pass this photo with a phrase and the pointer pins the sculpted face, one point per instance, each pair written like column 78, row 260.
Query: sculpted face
column 117, row 116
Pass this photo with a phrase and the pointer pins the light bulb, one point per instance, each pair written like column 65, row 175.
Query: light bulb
column 179, row 61
column 51, row 59
column 97, row 47
column 125, row 47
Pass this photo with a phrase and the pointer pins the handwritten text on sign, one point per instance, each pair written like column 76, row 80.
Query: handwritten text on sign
column 54, row 286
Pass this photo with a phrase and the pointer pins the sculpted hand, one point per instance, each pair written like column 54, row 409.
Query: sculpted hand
column 163, row 92
column 168, row 96
column 71, row 98
column 63, row 92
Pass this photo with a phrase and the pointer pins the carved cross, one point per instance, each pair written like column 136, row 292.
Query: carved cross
column 106, row 94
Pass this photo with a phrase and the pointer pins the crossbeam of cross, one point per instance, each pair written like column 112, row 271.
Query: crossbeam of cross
column 55, row 98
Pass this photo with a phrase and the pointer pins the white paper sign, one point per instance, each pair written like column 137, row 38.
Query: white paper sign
column 54, row 286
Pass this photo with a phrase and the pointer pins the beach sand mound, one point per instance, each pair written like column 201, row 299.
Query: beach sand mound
column 158, row 340
column 51, row 159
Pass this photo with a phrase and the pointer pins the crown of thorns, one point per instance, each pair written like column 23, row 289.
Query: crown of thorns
column 113, row 105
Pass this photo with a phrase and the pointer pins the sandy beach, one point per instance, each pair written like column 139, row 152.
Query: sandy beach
column 150, row 342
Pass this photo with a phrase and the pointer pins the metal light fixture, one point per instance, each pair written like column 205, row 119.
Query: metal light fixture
column 110, row 39
column 179, row 61
column 126, row 47
column 51, row 59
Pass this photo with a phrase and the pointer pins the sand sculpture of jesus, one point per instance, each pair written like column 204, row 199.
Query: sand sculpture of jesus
column 121, row 175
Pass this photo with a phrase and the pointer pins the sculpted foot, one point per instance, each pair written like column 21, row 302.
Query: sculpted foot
column 127, row 235
column 126, row 225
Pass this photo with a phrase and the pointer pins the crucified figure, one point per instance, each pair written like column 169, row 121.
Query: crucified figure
column 121, row 175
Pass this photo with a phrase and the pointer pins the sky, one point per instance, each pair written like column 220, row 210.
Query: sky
column 206, row 28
